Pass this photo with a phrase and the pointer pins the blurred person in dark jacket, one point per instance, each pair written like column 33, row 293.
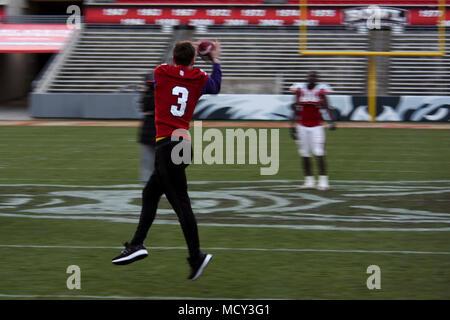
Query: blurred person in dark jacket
column 147, row 131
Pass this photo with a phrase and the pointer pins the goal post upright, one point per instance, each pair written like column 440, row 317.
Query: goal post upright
column 303, row 40
column 372, row 88
column 441, row 26
column 371, row 76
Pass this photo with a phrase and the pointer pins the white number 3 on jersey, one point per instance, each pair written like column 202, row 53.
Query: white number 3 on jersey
column 182, row 93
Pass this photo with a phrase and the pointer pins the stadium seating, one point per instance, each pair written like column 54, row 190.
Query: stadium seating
column 107, row 59
column 419, row 75
column 272, row 53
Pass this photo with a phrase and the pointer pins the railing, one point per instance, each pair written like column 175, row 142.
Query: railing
column 37, row 19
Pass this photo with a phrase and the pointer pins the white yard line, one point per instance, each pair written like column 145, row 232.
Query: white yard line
column 64, row 296
column 234, row 225
column 293, row 250
column 399, row 182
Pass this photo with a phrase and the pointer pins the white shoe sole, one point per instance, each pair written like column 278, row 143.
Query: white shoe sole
column 202, row 267
column 142, row 253
column 303, row 187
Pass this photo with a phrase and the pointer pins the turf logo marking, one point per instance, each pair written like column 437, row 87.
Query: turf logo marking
column 350, row 205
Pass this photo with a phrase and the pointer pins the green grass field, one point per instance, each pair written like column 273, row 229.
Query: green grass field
column 71, row 196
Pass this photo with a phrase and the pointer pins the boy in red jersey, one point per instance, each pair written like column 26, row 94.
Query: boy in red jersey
column 177, row 90
column 309, row 131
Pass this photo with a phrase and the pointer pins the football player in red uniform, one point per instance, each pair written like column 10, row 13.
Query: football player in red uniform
column 308, row 128
column 177, row 90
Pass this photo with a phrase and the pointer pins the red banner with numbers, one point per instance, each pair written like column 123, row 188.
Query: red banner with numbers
column 209, row 16
column 263, row 16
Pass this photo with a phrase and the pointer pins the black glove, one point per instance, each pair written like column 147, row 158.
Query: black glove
column 331, row 125
column 293, row 132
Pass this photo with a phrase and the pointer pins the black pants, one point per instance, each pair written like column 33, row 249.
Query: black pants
column 169, row 179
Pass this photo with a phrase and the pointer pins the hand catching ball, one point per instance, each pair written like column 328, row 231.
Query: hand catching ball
column 204, row 49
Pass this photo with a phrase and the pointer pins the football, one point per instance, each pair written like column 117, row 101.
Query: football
column 204, row 48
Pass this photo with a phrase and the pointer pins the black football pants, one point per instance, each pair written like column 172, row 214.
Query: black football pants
column 169, row 179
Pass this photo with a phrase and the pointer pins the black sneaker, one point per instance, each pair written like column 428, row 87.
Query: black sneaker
column 198, row 265
column 130, row 254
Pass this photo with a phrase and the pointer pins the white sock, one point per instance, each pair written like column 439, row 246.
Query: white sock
column 310, row 181
column 323, row 180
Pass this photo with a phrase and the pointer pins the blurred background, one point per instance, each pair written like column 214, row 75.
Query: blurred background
column 70, row 192
column 57, row 56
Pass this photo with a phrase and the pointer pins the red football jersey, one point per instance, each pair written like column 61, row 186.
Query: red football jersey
column 177, row 90
column 310, row 102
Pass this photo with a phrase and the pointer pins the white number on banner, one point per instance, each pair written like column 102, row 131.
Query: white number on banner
column 429, row 13
column 288, row 13
column 273, row 22
column 235, row 22
column 323, row 13
column 115, row 12
column 132, row 21
column 182, row 93
column 201, row 22
column 184, row 12
column 168, row 22
column 253, row 12
column 149, row 12
column 218, row 12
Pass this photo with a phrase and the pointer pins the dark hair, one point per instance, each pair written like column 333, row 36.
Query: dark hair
column 183, row 53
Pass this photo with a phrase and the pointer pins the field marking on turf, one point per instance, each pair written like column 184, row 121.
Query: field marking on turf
column 224, row 182
column 62, row 296
column 236, row 249
column 402, row 211
column 236, row 225
column 395, row 193
column 134, row 159
column 279, row 202
column 202, row 169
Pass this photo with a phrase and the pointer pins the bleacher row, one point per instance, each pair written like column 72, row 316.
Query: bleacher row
column 107, row 59
column 419, row 75
column 274, row 54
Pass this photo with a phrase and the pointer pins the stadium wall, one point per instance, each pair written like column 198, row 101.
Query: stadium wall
column 240, row 107
column 348, row 108
column 84, row 105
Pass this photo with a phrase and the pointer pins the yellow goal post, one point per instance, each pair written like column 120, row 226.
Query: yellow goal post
column 372, row 82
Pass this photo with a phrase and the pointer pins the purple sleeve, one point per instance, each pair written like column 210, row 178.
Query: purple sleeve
column 212, row 86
